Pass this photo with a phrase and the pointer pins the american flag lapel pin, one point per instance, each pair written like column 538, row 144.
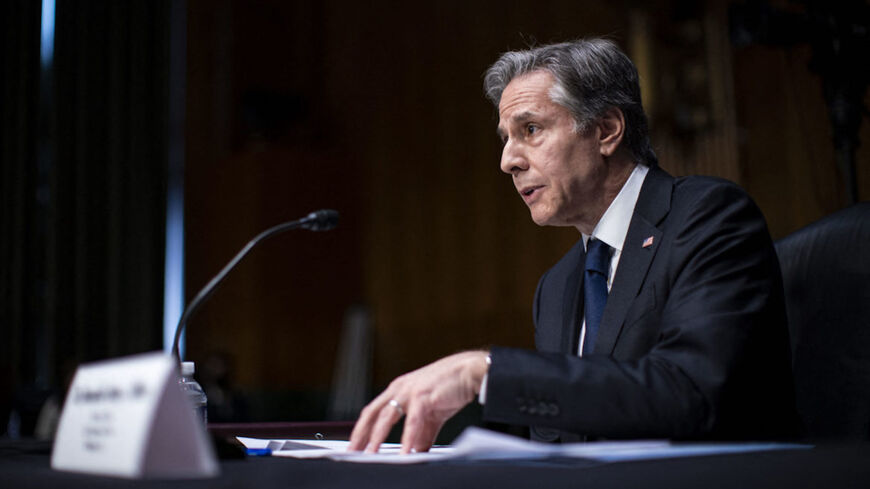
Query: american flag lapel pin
column 647, row 242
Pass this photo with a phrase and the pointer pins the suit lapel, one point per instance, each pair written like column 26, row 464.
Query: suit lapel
column 652, row 206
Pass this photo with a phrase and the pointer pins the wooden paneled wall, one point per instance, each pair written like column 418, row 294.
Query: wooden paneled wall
column 400, row 139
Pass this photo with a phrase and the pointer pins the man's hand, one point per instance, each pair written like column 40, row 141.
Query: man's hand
column 428, row 396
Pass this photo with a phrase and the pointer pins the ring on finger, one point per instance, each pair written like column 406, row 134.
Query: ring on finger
column 394, row 403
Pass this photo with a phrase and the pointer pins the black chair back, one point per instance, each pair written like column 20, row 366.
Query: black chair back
column 826, row 275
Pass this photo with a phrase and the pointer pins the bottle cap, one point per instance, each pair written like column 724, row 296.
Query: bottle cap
column 187, row 369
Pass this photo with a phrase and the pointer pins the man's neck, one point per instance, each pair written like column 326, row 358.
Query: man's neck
column 619, row 169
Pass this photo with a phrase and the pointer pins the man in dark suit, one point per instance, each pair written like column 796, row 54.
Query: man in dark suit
column 667, row 317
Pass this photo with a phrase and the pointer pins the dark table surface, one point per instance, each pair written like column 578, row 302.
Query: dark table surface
column 26, row 464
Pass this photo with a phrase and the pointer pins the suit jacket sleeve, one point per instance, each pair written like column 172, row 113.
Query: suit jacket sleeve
column 699, row 351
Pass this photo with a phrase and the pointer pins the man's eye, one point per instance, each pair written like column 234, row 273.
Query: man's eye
column 532, row 129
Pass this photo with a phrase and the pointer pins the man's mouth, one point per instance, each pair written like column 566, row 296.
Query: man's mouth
column 528, row 192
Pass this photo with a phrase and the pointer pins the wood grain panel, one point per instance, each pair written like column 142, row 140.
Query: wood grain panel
column 401, row 140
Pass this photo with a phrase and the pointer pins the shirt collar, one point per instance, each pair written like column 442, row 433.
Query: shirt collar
column 613, row 225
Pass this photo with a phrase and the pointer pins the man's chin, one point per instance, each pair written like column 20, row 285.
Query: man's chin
column 542, row 220
column 550, row 220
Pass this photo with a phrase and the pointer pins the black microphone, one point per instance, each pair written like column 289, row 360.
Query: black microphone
column 322, row 220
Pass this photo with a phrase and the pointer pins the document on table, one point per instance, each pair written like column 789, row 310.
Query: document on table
column 477, row 444
column 337, row 450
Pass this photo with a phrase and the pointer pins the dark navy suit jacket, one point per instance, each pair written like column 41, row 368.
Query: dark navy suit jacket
column 693, row 342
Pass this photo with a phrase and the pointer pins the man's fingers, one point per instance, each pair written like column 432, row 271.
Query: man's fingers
column 361, row 433
column 430, row 395
column 369, row 428
column 419, row 431
column 410, row 430
column 359, row 437
column 387, row 417
column 425, row 439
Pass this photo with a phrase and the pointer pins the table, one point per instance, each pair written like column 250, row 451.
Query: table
column 25, row 464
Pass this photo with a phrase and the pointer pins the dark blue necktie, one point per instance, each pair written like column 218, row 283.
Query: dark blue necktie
column 594, row 289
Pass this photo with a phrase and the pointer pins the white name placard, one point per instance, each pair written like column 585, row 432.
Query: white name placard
column 128, row 418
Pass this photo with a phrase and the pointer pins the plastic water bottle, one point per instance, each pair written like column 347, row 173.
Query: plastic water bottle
column 193, row 391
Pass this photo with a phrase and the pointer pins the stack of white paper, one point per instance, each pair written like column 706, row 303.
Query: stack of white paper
column 479, row 444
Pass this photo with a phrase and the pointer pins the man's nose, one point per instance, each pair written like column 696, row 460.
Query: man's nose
column 512, row 159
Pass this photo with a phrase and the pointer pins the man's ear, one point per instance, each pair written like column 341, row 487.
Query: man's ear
column 611, row 127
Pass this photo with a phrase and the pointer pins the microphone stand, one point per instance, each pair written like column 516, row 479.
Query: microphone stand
column 322, row 220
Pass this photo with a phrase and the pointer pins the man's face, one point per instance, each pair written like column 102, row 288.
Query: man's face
column 558, row 172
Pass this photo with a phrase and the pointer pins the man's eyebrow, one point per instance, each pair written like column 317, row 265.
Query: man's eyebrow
column 523, row 116
column 516, row 118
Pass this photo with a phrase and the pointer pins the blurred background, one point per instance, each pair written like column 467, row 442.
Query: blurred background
column 145, row 142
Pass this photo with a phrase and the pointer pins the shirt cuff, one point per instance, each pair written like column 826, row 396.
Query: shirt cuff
column 481, row 396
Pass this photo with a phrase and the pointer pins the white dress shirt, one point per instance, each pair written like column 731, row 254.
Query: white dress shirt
column 613, row 226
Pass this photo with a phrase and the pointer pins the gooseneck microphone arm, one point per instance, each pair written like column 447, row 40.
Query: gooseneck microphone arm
column 322, row 220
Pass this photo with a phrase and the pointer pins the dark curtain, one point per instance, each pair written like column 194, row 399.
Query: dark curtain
column 19, row 54
column 84, row 188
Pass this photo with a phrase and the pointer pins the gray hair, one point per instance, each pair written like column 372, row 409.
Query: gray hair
column 592, row 75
